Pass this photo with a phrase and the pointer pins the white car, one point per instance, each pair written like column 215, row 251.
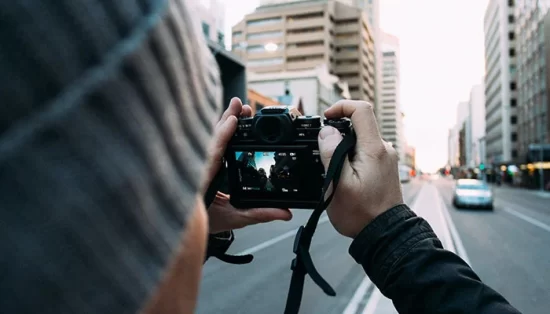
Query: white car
column 472, row 193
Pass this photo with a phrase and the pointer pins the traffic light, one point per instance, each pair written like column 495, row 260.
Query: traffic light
column 481, row 166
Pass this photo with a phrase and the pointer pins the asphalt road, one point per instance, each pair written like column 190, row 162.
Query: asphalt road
column 261, row 286
column 509, row 248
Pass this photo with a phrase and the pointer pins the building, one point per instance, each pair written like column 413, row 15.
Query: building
column 258, row 101
column 212, row 15
column 389, row 113
column 477, row 124
column 533, row 29
column 500, row 82
column 452, row 148
column 284, row 36
column 410, row 157
column 463, row 128
column 316, row 89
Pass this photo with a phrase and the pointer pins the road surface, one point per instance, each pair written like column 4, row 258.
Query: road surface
column 509, row 248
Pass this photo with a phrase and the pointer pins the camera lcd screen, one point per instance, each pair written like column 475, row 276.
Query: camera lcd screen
column 280, row 174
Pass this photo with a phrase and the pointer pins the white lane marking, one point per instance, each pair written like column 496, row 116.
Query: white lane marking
column 358, row 296
column 275, row 240
column 373, row 302
column 527, row 218
column 459, row 246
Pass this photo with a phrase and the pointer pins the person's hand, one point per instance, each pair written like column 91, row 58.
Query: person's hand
column 222, row 215
column 369, row 184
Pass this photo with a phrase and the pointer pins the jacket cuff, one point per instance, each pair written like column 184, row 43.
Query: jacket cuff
column 386, row 239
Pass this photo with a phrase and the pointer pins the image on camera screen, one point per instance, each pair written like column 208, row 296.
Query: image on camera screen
column 267, row 171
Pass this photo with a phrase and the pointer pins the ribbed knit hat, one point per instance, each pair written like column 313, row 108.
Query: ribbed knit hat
column 106, row 112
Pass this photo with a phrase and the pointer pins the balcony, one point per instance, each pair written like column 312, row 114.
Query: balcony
column 264, row 55
column 261, row 28
column 346, row 28
column 303, row 65
column 264, row 40
column 306, row 51
column 346, row 55
column 305, row 37
column 265, row 68
column 347, row 68
column 305, row 23
column 348, row 41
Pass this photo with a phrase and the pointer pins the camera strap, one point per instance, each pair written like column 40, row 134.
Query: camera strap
column 302, row 264
column 218, row 246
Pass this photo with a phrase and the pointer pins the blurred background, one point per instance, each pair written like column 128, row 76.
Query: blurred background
column 460, row 90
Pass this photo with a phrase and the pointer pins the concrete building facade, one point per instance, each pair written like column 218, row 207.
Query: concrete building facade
column 500, row 82
column 477, row 124
column 285, row 36
column 389, row 114
column 316, row 89
column 212, row 16
column 533, row 29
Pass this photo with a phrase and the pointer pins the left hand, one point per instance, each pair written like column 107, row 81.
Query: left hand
column 222, row 215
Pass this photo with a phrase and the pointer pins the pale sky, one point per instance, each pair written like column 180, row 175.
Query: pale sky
column 441, row 59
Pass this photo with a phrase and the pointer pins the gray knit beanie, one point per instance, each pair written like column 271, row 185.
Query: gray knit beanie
column 107, row 109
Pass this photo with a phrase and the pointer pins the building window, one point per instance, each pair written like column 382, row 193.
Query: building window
column 510, row 3
column 511, row 35
column 206, row 30
column 511, row 18
column 513, row 102
column 514, row 153
column 512, row 52
column 514, row 136
column 513, row 119
column 221, row 38
column 265, row 62
column 264, row 35
column 268, row 21
column 513, row 86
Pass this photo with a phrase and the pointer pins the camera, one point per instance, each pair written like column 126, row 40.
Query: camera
column 273, row 159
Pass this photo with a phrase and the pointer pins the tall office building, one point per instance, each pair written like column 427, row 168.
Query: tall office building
column 500, row 82
column 212, row 16
column 477, row 125
column 390, row 117
column 533, row 29
column 302, row 35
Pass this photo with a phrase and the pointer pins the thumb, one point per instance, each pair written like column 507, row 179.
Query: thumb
column 329, row 138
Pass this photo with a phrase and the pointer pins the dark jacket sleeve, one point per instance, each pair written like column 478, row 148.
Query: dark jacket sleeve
column 404, row 258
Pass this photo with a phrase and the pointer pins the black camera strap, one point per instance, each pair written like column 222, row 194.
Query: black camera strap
column 219, row 244
column 302, row 264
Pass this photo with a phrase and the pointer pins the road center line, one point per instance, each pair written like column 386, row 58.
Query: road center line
column 527, row 218
column 275, row 240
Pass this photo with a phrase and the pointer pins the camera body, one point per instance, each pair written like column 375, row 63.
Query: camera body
column 273, row 159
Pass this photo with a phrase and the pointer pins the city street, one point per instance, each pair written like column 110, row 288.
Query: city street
column 508, row 248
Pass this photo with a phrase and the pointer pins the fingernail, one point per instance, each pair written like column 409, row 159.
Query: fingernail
column 326, row 132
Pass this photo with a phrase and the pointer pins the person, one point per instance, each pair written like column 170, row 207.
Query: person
column 109, row 136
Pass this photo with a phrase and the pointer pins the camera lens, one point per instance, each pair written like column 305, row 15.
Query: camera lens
column 269, row 129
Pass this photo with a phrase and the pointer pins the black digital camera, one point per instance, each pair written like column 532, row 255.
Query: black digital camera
column 273, row 159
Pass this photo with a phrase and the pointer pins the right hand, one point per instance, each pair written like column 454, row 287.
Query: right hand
column 369, row 184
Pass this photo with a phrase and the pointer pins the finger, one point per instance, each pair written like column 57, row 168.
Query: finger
column 362, row 116
column 246, row 111
column 329, row 138
column 223, row 135
column 234, row 109
column 261, row 215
